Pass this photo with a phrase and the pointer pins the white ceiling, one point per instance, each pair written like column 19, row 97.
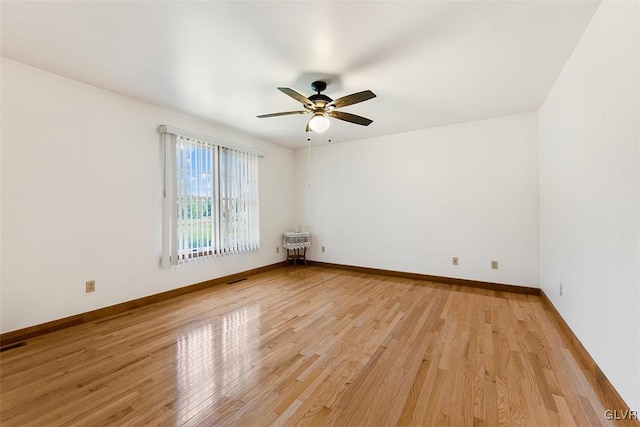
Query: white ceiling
column 429, row 62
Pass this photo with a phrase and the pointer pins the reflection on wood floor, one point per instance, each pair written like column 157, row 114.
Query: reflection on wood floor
column 307, row 346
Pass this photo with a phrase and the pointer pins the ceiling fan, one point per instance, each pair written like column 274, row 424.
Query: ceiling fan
column 322, row 107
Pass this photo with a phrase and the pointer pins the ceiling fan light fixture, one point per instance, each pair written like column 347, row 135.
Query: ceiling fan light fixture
column 319, row 123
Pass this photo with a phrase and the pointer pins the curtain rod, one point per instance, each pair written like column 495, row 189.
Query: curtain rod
column 181, row 132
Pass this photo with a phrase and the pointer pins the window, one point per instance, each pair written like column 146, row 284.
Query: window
column 210, row 194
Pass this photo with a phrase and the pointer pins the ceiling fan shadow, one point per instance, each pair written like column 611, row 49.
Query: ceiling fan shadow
column 431, row 21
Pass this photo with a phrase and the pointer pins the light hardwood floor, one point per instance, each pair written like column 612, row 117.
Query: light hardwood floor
column 307, row 346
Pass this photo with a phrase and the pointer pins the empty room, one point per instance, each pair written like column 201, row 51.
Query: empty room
column 320, row 213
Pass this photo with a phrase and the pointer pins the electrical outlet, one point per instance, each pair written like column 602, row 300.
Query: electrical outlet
column 277, row 249
column 454, row 260
column 90, row 286
column 560, row 289
column 323, row 249
column 494, row 265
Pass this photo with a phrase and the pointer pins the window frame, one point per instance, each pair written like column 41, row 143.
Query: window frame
column 247, row 160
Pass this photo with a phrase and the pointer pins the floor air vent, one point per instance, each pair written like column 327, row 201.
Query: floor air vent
column 236, row 281
column 12, row 346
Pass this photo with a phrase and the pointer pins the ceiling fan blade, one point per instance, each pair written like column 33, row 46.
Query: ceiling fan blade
column 285, row 113
column 354, row 98
column 351, row 118
column 295, row 95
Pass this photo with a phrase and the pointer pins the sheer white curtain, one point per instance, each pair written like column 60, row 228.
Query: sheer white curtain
column 210, row 198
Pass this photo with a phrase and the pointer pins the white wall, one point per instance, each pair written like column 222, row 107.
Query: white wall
column 1, row 97
column 410, row 202
column 590, row 194
column 80, row 179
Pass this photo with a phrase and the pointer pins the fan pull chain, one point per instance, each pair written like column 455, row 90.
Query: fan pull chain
column 309, row 153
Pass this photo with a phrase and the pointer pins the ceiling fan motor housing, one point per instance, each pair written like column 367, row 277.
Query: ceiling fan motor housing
column 319, row 100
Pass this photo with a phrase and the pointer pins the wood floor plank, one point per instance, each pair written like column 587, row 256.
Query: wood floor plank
column 306, row 346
